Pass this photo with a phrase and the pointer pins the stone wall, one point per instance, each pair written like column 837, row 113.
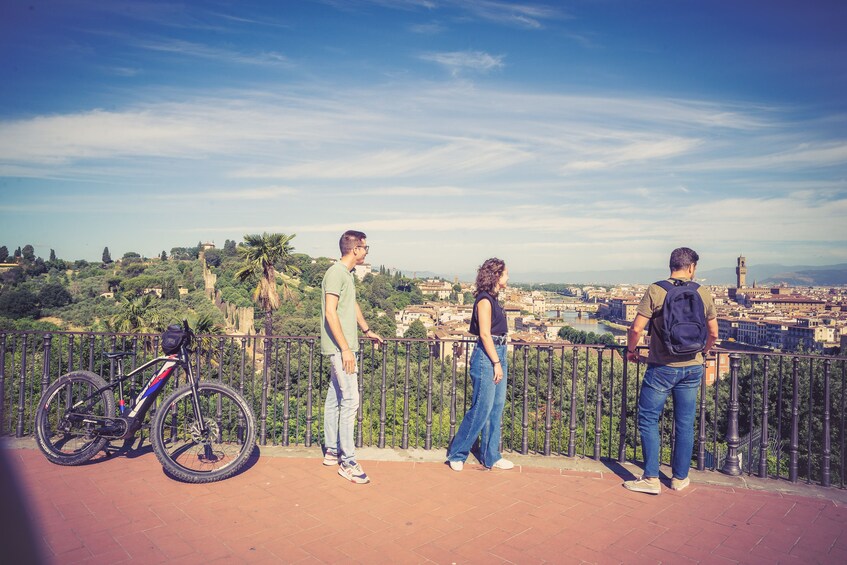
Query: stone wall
column 238, row 319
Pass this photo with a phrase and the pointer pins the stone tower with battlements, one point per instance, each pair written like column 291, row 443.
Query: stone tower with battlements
column 741, row 272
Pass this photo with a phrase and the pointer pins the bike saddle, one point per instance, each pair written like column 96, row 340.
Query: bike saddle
column 118, row 354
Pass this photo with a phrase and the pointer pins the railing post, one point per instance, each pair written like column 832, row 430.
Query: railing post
column 360, row 411
column 307, row 441
column 91, row 339
column 453, row 391
column 45, row 372
column 113, row 344
column 622, row 423
column 731, row 466
column 795, row 421
column 404, row 439
column 825, row 475
column 548, row 420
column 810, row 411
column 763, row 440
column 263, row 413
column 70, row 353
column 843, row 395
column 383, row 392
column 19, row 430
column 598, row 407
column 286, row 393
column 525, row 393
column 572, row 428
column 701, row 432
column 221, row 346
column 428, row 438
column 2, row 379
column 243, row 367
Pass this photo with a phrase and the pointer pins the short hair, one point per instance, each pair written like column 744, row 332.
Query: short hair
column 488, row 275
column 682, row 257
column 349, row 240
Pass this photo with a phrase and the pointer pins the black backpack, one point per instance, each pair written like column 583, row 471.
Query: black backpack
column 173, row 338
column 683, row 327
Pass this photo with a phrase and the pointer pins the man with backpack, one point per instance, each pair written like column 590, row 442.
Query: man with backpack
column 683, row 329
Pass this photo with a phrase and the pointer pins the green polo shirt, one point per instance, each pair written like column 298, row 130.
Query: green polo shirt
column 338, row 280
column 651, row 303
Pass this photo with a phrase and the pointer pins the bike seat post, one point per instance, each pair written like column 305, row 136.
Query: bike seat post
column 119, row 376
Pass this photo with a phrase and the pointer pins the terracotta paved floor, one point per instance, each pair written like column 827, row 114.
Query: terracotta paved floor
column 124, row 509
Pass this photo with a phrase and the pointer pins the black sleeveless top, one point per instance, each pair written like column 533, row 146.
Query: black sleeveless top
column 498, row 316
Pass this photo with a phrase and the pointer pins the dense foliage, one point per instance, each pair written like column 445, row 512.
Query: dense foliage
column 137, row 294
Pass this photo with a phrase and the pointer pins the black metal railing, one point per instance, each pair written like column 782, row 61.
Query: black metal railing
column 777, row 415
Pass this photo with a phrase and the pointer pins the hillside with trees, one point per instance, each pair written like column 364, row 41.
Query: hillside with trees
column 136, row 294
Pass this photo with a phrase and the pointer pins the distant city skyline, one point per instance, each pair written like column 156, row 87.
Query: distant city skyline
column 561, row 136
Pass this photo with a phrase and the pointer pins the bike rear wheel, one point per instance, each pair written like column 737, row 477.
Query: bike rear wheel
column 213, row 452
column 74, row 441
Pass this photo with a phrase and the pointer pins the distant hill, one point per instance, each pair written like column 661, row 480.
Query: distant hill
column 762, row 275
column 813, row 276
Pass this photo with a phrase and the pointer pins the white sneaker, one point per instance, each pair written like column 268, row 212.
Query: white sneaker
column 503, row 464
column 457, row 465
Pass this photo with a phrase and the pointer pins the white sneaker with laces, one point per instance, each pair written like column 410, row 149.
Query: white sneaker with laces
column 457, row 465
column 503, row 464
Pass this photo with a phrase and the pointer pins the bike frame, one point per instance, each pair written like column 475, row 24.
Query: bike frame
column 141, row 403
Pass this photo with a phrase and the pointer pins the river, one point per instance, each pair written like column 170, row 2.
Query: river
column 586, row 324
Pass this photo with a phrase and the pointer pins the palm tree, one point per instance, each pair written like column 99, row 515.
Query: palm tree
column 137, row 315
column 262, row 255
column 204, row 327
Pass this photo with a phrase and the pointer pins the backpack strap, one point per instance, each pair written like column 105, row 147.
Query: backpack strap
column 667, row 286
column 678, row 282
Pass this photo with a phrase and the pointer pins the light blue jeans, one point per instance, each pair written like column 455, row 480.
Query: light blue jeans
column 659, row 382
column 342, row 402
column 486, row 412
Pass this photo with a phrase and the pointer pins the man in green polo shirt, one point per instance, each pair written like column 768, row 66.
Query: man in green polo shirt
column 340, row 343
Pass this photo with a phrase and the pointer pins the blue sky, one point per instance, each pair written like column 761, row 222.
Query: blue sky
column 560, row 136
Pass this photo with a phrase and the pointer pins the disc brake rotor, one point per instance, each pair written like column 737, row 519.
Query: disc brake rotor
column 204, row 437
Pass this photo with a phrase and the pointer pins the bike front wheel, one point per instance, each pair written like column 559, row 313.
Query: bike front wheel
column 213, row 450
column 69, row 415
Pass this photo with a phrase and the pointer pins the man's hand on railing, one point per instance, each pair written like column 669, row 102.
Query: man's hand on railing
column 375, row 337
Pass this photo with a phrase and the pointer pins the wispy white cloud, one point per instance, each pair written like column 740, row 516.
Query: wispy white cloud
column 264, row 21
column 459, row 157
column 512, row 13
column 458, row 61
column 451, row 161
column 414, row 191
column 606, row 155
column 199, row 50
column 432, row 28
column 239, row 193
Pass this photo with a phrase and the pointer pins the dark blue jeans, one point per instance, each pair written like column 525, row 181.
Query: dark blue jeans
column 659, row 382
column 486, row 412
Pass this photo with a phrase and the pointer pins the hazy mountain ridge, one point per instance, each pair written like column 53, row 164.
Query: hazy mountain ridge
column 761, row 275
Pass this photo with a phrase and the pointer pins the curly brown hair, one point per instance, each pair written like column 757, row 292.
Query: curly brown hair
column 488, row 275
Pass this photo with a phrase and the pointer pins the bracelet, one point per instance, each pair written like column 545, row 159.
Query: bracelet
column 497, row 362
column 366, row 331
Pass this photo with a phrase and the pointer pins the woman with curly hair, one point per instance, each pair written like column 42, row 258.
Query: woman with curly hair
column 488, row 373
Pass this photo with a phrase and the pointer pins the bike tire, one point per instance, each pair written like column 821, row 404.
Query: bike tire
column 59, row 441
column 196, row 456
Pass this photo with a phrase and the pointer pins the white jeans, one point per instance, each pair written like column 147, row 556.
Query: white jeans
column 342, row 402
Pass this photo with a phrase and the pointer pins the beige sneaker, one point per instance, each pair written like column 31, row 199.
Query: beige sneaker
column 457, row 465
column 650, row 485
column 679, row 484
column 503, row 464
